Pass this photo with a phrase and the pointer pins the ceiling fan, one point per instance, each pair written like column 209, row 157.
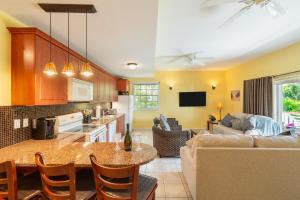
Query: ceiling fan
column 194, row 59
column 270, row 6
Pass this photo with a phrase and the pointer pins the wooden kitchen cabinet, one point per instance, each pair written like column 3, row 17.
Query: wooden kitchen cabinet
column 30, row 86
column 123, row 86
column 29, row 54
column 121, row 124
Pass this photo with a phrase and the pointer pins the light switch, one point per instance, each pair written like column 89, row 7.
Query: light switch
column 17, row 123
column 25, row 122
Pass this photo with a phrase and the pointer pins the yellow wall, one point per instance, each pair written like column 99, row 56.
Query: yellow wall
column 278, row 62
column 189, row 117
column 5, row 72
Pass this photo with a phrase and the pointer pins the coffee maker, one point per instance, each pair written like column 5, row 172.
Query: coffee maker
column 43, row 129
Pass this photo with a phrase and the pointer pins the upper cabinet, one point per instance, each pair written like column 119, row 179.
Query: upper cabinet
column 30, row 86
column 123, row 86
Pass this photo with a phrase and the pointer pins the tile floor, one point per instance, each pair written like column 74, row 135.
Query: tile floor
column 171, row 183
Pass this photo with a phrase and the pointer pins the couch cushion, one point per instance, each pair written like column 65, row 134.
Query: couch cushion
column 226, row 121
column 220, row 140
column 277, row 142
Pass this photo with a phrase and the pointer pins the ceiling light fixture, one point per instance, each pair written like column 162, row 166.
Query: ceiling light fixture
column 50, row 68
column 132, row 65
column 68, row 69
column 86, row 69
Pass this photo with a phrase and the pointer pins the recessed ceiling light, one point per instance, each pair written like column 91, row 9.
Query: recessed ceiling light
column 132, row 65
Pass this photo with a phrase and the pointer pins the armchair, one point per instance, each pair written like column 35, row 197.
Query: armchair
column 168, row 143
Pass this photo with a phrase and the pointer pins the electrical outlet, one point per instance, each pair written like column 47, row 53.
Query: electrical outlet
column 25, row 122
column 17, row 123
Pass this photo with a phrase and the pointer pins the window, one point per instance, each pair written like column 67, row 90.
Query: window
column 146, row 96
column 287, row 102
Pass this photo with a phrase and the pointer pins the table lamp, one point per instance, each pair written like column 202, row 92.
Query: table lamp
column 220, row 107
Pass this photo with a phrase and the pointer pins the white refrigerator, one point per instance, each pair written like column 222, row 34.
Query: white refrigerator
column 125, row 104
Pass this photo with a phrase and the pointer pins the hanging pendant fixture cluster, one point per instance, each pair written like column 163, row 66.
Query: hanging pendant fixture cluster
column 68, row 68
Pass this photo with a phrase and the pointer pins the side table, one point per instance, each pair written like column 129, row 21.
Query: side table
column 210, row 125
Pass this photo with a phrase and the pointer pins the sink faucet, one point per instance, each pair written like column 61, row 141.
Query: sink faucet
column 104, row 112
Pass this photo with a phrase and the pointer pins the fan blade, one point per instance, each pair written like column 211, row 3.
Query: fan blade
column 170, row 59
column 274, row 9
column 236, row 15
column 212, row 3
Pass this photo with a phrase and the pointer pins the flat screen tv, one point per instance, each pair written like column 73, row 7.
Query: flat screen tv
column 192, row 99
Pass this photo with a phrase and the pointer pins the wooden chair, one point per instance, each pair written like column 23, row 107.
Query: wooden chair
column 8, row 184
column 59, row 181
column 122, row 183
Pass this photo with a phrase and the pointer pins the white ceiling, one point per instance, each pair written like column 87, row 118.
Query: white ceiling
column 121, row 31
column 143, row 30
column 186, row 27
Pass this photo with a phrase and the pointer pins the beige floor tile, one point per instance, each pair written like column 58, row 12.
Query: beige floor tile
column 153, row 167
column 168, row 160
column 172, row 198
column 160, row 191
column 170, row 168
column 172, row 177
column 187, row 190
column 175, row 190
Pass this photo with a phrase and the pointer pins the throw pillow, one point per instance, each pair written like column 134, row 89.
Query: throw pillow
column 248, row 123
column 164, row 123
column 226, row 121
column 237, row 124
column 277, row 142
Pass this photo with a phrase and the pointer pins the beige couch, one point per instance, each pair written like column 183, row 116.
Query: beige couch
column 243, row 172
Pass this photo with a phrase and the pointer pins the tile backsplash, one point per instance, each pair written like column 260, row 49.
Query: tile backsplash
column 9, row 135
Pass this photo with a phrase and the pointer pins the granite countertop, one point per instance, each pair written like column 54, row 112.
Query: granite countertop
column 107, row 119
column 64, row 150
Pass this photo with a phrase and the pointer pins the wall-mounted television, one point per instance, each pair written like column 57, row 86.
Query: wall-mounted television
column 192, row 99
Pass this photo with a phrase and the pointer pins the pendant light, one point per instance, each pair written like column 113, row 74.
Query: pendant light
column 50, row 68
column 86, row 69
column 68, row 69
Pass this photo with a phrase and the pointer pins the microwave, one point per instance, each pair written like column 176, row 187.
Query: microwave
column 79, row 90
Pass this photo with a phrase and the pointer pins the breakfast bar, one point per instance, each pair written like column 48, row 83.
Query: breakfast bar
column 64, row 150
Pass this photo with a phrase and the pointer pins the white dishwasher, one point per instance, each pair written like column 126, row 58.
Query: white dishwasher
column 112, row 129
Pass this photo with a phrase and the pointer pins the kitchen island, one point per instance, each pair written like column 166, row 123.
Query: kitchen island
column 63, row 150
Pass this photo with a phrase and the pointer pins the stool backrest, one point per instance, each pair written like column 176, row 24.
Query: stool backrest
column 66, row 179
column 9, row 181
column 114, row 179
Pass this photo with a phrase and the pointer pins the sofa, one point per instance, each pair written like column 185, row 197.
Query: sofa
column 168, row 140
column 242, row 167
column 263, row 125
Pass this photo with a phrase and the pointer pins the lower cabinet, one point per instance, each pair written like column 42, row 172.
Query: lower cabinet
column 121, row 124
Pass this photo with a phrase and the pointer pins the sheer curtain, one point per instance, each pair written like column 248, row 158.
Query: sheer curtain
column 258, row 96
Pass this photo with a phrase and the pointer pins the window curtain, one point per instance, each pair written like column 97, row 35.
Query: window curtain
column 258, row 96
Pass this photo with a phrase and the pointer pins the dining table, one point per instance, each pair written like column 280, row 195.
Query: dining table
column 65, row 150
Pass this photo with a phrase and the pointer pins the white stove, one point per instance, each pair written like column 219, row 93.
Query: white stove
column 72, row 123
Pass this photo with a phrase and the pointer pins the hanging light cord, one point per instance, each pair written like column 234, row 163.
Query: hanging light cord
column 50, row 37
column 68, row 36
column 86, row 27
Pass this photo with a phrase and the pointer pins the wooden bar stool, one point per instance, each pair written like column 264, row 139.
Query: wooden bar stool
column 59, row 181
column 122, row 183
column 8, row 184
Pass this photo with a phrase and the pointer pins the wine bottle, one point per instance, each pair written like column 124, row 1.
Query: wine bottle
column 127, row 139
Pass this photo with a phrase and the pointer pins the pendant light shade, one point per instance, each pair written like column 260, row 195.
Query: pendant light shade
column 50, row 68
column 68, row 69
column 86, row 69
